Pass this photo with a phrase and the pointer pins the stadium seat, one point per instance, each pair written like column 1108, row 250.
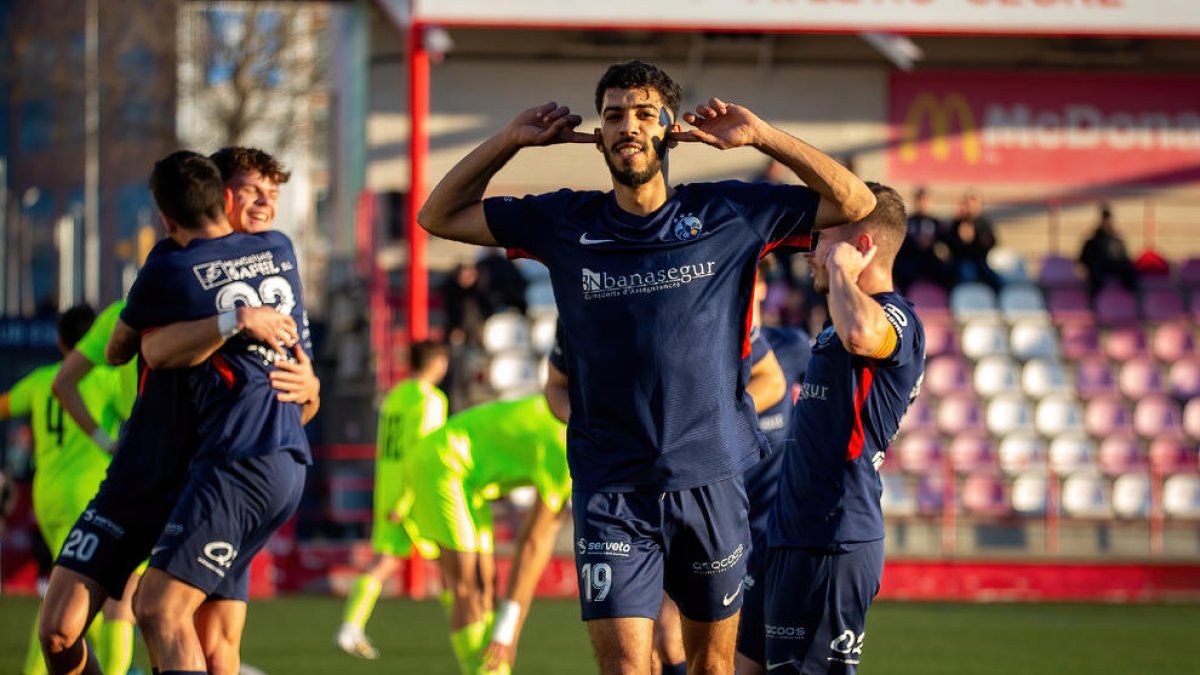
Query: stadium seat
column 973, row 452
column 1071, row 452
column 945, row 374
column 930, row 300
column 1008, row 264
column 996, row 375
column 916, row 453
column 1173, row 340
column 1181, row 496
column 982, row 493
column 984, row 337
column 1028, row 493
column 539, row 295
column 1157, row 415
column 1140, row 376
column 1107, row 415
column 1059, row 272
column 1069, row 304
column 1115, row 306
column 1189, row 274
column 1058, row 414
column 940, row 337
column 1094, row 377
column 1191, row 419
column 973, row 301
column 506, row 331
column 1121, row 453
column 959, row 413
column 1042, row 377
column 1007, row 413
column 1125, row 342
column 1079, row 339
column 1172, row 455
column 513, row 373
column 1022, row 301
column 1131, row 495
column 897, row 498
column 1033, row 339
column 1086, row 495
column 1021, row 451
column 541, row 334
column 930, row 493
column 919, row 416
column 1162, row 304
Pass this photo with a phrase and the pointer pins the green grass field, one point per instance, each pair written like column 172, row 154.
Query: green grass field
column 295, row 636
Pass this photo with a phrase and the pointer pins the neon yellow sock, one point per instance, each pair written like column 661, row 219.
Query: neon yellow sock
column 114, row 647
column 34, row 663
column 446, row 600
column 468, row 643
column 361, row 601
column 95, row 638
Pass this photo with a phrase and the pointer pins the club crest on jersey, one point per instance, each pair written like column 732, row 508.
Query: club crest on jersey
column 687, row 227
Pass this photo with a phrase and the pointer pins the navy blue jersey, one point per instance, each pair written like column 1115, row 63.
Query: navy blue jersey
column 238, row 415
column 655, row 311
column 849, row 411
column 792, row 350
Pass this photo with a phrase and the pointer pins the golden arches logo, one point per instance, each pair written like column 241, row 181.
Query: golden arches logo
column 939, row 113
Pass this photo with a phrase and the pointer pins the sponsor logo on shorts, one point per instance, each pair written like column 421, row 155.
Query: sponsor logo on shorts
column 748, row 580
column 722, row 565
column 847, row 647
column 775, row 632
column 102, row 522
column 218, row 554
column 612, row 549
column 772, row 422
column 173, row 528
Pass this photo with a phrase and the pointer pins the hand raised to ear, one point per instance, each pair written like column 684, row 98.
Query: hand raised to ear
column 719, row 124
column 547, row 124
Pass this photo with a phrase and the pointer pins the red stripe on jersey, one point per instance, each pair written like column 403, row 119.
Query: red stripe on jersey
column 142, row 379
column 223, row 369
column 515, row 253
column 801, row 241
column 857, row 437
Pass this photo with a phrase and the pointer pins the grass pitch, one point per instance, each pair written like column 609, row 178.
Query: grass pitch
column 294, row 635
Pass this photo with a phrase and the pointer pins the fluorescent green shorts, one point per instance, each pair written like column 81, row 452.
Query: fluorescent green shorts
column 445, row 512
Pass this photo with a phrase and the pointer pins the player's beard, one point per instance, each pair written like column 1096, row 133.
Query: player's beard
column 631, row 177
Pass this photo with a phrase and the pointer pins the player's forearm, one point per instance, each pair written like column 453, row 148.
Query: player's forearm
column 463, row 187
column 857, row 318
column 558, row 399
column 183, row 344
column 122, row 345
column 767, row 385
column 536, row 543
column 819, row 171
column 66, row 389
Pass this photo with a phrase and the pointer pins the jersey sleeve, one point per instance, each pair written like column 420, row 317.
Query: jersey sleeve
column 92, row 344
column 759, row 347
column 20, row 397
column 781, row 215
column 434, row 414
column 145, row 306
column 525, row 225
column 906, row 325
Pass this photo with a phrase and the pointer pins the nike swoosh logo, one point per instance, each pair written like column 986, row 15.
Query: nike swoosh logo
column 728, row 599
column 588, row 241
column 773, row 666
column 157, row 549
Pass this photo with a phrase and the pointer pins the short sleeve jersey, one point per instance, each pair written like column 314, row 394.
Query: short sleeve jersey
column 237, row 413
column 410, row 411
column 92, row 345
column 849, row 411
column 656, row 313
column 514, row 444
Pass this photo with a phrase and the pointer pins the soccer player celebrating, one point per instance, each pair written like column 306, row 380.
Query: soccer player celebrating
column 69, row 466
column 653, row 284
column 411, row 411
column 481, row 454
column 826, row 530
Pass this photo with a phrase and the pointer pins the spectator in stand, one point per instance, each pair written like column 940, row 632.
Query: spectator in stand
column 923, row 256
column 1105, row 257
column 502, row 284
column 467, row 307
column 969, row 240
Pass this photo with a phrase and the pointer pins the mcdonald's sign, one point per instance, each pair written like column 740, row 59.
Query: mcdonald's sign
column 1084, row 129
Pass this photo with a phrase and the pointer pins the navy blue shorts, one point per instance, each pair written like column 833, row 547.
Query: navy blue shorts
column 816, row 607
column 761, row 481
column 631, row 546
column 224, row 517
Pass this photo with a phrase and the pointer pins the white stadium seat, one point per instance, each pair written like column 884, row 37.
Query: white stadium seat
column 984, row 337
column 1057, row 414
column 1181, row 496
column 1071, row 452
column 1131, row 495
column 1028, row 493
column 995, row 375
column 1023, row 301
column 505, row 331
column 1033, row 339
column 1042, row 377
column 1007, row 413
column 1086, row 495
column 973, row 301
column 1021, row 451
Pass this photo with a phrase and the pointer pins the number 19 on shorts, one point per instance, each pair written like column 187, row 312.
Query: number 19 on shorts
column 596, row 579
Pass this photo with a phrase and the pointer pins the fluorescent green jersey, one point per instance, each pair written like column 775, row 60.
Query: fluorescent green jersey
column 92, row 344
column 410, row 412
column 68, row 466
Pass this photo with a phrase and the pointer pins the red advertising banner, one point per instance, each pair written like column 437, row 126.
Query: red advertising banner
column 1077, row 130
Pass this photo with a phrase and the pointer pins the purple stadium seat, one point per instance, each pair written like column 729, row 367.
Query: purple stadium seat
column 1194, row 305
column 1172, row 455
column 1125, row 342
column 930, row 494
column 984, row 493
column 1174, row 340
column 1191, row 419
column 946, row 374
column 1106, row 415
column 1183, row 379
column 1059, row 272
column 973, row 452
column 1162, row 304
column 959, row 413
column 1121, row 453
column 1156, row 416
column 917, row 453
column 1189, row 273
column 1079, row 339
column 1131, row 495
column 1115, row 306
column 931, row 300
column 940, row 336
column 1141, row 376
column 1069, row 304
column 1094, row 377
column 919, row 416
column 1028, row 493
column 1181, row 496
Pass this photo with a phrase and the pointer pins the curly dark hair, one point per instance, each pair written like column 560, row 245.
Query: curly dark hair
column 232, row 159
column 638, row 74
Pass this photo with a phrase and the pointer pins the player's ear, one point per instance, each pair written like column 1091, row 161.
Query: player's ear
column 864, row 242
column 599, row 139
column 228, row 201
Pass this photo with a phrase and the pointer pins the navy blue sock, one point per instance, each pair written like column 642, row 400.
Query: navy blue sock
column 674, row 668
